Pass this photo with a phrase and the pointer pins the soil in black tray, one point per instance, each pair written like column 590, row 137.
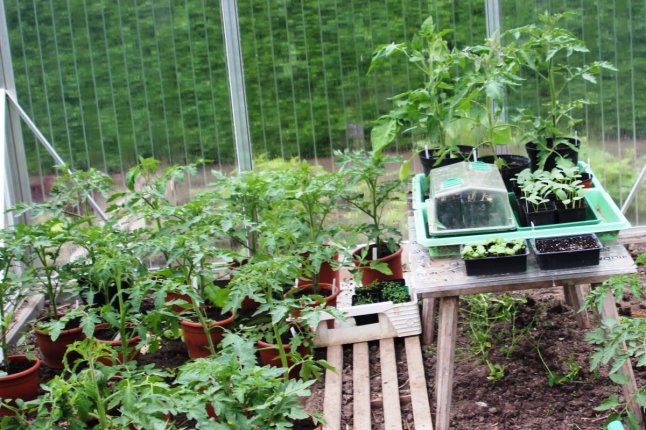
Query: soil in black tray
column 575, row 243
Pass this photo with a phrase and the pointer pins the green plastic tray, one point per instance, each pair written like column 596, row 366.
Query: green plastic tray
column 609, row 221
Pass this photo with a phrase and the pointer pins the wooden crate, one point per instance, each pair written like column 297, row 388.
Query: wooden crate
column 391, row 320
column 389, row 387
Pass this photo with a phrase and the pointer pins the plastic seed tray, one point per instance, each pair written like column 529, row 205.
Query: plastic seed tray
column 606, row 220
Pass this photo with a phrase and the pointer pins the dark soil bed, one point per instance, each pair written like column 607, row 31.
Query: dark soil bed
column 522, row 399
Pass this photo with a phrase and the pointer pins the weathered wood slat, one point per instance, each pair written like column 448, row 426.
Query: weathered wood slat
column 361, row 386
column 333, row 385
column 389, row 398
column 417, row 381
column 447, row 333
column 389, row 385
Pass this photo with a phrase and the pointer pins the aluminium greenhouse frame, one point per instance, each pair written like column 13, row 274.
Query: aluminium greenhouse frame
column 14, row 180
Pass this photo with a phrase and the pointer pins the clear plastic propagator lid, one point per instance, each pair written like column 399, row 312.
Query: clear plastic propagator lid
column 467, row 198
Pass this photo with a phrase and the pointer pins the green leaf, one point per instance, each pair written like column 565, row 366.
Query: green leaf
column 383, row 133
column 610, row 403
column 381, row 267
column 619, row 378
column 404, row 171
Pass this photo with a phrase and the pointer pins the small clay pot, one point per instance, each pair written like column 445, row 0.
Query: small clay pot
column 394, row 262
column 195, row 338
column 54, row 351
column 22, row 385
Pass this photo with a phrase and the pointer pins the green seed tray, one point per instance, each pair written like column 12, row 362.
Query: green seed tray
column 609, row 221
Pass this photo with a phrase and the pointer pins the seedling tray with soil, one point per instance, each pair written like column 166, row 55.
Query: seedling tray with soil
column 567, row 252
column 495, row 257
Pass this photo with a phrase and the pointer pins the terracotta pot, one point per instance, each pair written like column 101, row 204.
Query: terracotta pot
column 54, row 351
column 327, row 275
column 269, row 356
column 394, row 262
column 22, row 385
column 116, row 344
column 195, row 338
column 330, row 300
column 170, row 296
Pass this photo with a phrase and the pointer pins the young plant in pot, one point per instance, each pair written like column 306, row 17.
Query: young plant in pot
column 92, row 395
column 494, row 72
column 232, row 388
column 370, row 193
column 535, row 204
column 203, row 324
column 571, row 205
column 18, row 373
column 282, row 321
column 436, row 106
column 495, row 256
column 55, row 329
column 69, row 223
column 117, row 323
column 548, row 53
column 312, row 195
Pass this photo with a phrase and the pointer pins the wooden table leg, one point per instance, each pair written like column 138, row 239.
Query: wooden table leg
column 609, row 311
column 576, row 295
column 446, row 337
column 428, row 321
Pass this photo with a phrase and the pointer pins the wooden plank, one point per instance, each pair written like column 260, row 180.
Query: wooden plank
column 428, row 321
column 447, row 334
column 567, row 294
column 417, row 381
column 609, row 311
column 389, row 385
column 361, row 386
column 578, row 292
column 333, row 385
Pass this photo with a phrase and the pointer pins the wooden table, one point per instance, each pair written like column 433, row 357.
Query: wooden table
column 445, row 279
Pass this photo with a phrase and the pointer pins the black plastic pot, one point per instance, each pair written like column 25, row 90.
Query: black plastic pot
column 561, row 151
column 514, row 164
column 497, row 265
column 566, row 259
column 433, row 161
column 542, row 217
column 564, row 215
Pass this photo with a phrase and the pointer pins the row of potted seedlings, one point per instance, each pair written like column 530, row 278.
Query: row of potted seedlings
column 500, row 256
column 550, row 197
column 463, row 94
column 261, row 297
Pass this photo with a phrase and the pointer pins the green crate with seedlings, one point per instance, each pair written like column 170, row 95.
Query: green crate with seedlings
column 495, row 256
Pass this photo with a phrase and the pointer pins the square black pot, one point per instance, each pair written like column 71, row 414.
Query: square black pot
column 564, row 215
column 566, row 259
column 542, row 217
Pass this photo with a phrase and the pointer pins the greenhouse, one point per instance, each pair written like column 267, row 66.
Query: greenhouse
column 309, row 214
